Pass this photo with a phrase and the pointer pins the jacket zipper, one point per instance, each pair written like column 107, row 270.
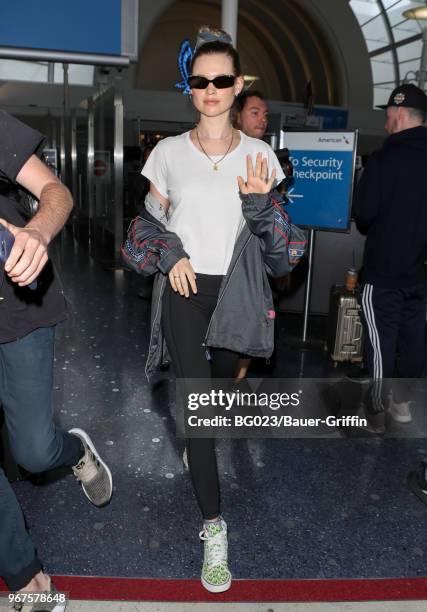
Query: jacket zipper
column 154, row 321
column 157, row 309
column 225, row 287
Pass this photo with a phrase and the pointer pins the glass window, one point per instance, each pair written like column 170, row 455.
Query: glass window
column 78, row 74
column 364, row 9
column 375, row 33
column 383, row 68
column 410, row 51
column 409, row 69
column 18, row 70
column 382, row 94
column 37, row 72
column 383, row 25
column 403, row 32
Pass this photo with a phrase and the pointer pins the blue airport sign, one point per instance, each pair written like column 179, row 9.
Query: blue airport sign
column 323, row 171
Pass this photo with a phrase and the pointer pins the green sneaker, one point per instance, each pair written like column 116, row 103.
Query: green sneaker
column 216, row 576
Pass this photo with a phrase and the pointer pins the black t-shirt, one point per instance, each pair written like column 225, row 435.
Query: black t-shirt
column 23, row 310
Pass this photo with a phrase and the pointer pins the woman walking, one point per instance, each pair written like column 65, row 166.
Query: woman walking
column 221, row 231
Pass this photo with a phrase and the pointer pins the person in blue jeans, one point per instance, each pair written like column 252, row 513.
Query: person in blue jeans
column 28, row 317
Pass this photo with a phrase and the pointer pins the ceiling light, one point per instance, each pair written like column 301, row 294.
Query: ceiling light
column 249, row 78
column 417, row 13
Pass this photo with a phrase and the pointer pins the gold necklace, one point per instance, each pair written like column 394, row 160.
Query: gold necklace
column 215, row 164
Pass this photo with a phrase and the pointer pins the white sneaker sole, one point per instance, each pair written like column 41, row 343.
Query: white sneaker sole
column 91, row 445
column 185, row 459
column 215, row 588
column 400, row 418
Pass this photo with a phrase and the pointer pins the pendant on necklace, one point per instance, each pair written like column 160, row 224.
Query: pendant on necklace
column 215, row 167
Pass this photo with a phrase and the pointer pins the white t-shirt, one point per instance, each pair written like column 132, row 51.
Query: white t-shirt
column 205, row 208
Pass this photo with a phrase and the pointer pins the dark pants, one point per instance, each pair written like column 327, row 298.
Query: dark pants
column 185, row 322
column 26, row 379
column 394, row 326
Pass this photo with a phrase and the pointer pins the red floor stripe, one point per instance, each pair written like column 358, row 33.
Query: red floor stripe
column 145, row 589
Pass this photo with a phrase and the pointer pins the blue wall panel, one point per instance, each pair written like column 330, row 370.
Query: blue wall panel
column 81, row 26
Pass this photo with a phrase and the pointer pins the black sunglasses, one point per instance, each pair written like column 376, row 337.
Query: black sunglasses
column 219, row 82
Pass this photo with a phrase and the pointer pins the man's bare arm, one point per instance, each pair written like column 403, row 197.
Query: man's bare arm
column 56, row 202
column 29, row 253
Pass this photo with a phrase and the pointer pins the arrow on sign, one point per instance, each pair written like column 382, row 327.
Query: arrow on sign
column 292, row 195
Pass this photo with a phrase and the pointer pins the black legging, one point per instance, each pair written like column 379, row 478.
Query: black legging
column 185, row 321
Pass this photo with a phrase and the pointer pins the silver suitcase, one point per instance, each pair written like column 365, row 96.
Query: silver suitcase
column 345, row 326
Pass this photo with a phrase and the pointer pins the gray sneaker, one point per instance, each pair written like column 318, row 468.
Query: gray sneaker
column 400, row 411
column 92, row 472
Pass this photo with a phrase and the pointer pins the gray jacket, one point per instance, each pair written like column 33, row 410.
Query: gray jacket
column 243, row 319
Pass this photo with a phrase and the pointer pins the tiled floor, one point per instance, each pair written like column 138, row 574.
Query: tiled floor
column 296, row 508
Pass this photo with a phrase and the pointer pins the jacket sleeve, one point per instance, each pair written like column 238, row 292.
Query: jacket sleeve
column 367, row 198
column 150, row 247
column 267, row 219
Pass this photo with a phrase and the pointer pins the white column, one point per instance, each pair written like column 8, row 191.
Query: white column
column 229, row 14
column 422, row 75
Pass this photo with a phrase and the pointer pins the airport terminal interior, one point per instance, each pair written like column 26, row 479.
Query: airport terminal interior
column 316, row 522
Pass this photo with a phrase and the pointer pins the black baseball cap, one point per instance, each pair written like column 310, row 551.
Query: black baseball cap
column 408, row 95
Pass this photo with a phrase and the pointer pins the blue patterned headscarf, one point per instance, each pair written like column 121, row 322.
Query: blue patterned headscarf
column 186, row 53
column 208, row 36
column 184, row 62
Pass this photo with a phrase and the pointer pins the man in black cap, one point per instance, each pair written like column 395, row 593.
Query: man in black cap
column 391, row 208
